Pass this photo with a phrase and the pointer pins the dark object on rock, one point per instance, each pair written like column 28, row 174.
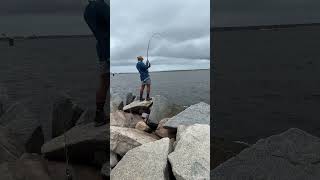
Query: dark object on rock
column 25, row 126
column 224, row 150
column 65, row 115
column 130, row 98
column 152, row 125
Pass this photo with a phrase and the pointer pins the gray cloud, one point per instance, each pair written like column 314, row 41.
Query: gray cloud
column 257, row 12
column 184, row 26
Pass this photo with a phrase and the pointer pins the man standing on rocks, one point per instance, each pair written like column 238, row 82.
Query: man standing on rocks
column 97, row 16
column 144, row 77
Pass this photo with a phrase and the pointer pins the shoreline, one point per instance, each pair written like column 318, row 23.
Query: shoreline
column 164, row 71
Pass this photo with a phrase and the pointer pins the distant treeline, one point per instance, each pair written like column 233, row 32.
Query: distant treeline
column 263, row 27
column 44, row 37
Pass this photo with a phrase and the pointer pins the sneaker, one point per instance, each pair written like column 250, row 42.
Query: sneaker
column 100, row 119
column 141, row 99
column 149, row 99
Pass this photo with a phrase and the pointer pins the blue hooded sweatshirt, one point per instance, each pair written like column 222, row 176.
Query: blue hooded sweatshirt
column 143, row 70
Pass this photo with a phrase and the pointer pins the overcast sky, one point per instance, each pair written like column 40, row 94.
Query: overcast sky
column 183, row 43
column 261, row 12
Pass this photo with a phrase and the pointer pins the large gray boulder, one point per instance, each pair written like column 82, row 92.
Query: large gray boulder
column 191, row 156
column 148, row 161
column 138, row 107
column 292, row 155
column 123, row 119
column 116, row 103
column 195, row 114
column 83, row 141
column 65, row 114
column 25, row 126
column 10, row 148
column 160, row 109
column 124, row 139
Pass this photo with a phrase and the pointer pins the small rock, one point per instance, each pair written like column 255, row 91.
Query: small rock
column 165, row 132
column 130, row 98
column 191, row 156
column 142, row 126
column 64, row 115
column 124, row 139
column 195, row 114
column 148, row 161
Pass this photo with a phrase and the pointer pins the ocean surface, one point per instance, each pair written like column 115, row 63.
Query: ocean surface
column 181, row 87
column 266, row 82
column 35, row 71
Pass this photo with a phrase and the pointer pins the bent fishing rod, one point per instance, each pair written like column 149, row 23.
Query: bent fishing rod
column 153, row 35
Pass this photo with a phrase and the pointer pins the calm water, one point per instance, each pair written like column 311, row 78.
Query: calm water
column 266, row 82
column 34, row 71
column 182, row 87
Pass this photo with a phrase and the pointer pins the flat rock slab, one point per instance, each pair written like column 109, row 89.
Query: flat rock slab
column 148, row 161
column 123, row 119
column 191, row 156
column 195, row 114
column 135, row 106
column 82, row 141
column 292, row 155
column 124, row 139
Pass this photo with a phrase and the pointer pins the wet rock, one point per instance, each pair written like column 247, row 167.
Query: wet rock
column 123, row 119
column 148, row 161
column 138, row 107
column 142, row 126
column 25, row 126
column 130, row 98
column 195, row 114
column 165, row 132
column 191, row 156
column 79, row 138
column 124, row 139
column 116, row 103
column 292, row 155
column 65, row 114
column 160, row 109
column 113, row 159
